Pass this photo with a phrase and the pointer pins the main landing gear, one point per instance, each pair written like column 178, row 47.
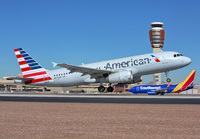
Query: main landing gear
column 168, row 79
column 101, row 88
column 110, row 89
column 162, row 93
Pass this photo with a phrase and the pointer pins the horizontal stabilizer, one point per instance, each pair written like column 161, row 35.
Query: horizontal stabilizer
column 54, row 64
column 20, row 78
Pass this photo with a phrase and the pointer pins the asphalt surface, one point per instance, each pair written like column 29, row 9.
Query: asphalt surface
column 130, row 99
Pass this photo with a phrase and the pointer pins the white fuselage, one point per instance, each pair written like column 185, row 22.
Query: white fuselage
column 139, row 65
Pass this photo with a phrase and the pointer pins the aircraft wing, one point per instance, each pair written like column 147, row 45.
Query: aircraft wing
column 84, row 70
column 164, row 89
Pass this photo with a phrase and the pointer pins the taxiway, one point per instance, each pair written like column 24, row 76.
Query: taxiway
column 127, row 99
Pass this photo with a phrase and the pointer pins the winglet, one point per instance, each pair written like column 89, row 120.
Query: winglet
column 168, row 85
column 54, row 64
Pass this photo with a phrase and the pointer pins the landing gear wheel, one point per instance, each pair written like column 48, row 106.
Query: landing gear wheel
column 168, row 80
column 162, row 93
column 110, row 89
column 101, row 88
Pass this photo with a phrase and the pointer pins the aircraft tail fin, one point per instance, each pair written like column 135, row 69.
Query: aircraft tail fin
column 189, row 80
column 186, row 83
column 29, row 67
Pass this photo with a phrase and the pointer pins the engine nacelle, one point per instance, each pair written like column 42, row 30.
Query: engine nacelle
column 120, row 77
column 151, row 93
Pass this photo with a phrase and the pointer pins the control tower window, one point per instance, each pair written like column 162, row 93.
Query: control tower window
column 157, row 25
column 156, row 38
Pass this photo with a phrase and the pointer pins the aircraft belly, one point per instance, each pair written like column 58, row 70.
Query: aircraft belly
column 70, row 80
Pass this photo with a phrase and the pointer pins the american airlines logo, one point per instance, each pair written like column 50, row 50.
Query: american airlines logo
column 125, row 64
column 155, row 58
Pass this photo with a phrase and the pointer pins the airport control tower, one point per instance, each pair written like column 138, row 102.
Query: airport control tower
column 157, row 38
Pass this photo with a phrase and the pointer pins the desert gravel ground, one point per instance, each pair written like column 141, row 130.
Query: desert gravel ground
column 82, row 120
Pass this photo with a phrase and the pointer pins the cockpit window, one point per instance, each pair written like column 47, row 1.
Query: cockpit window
column 177, row 55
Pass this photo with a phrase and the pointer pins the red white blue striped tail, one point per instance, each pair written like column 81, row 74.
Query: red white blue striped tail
column 30, row 68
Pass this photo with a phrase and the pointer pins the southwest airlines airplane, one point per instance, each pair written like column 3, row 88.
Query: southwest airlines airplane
column 124, row 70
column 162, row 89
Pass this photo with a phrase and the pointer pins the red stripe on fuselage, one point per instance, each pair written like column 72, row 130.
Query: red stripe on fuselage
column 19, row 56
column 38, row 80
column 26, row 69
column 34, row 74
column 22, row 62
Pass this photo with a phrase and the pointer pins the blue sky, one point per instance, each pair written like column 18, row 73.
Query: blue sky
column 76, row 31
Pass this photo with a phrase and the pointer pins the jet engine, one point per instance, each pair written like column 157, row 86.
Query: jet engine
column 151, row 93
column 120, row 77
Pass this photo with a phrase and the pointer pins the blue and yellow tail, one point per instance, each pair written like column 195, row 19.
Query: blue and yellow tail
column 186, row 83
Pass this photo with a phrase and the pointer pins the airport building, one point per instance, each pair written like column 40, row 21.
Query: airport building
column 11, row 86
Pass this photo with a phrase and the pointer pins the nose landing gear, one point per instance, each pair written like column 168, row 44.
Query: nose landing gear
column 168, row 79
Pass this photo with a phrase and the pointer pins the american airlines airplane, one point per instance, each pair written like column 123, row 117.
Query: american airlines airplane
column 124, row 70
column 162, row 89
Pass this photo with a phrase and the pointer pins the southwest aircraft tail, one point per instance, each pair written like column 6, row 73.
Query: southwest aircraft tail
column 30, row 68
column 187, row 83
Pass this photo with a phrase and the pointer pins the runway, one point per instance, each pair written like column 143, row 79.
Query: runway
column 128, row 99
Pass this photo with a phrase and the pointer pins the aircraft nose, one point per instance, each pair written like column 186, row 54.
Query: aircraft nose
column 187, row 60
column 131, row 90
